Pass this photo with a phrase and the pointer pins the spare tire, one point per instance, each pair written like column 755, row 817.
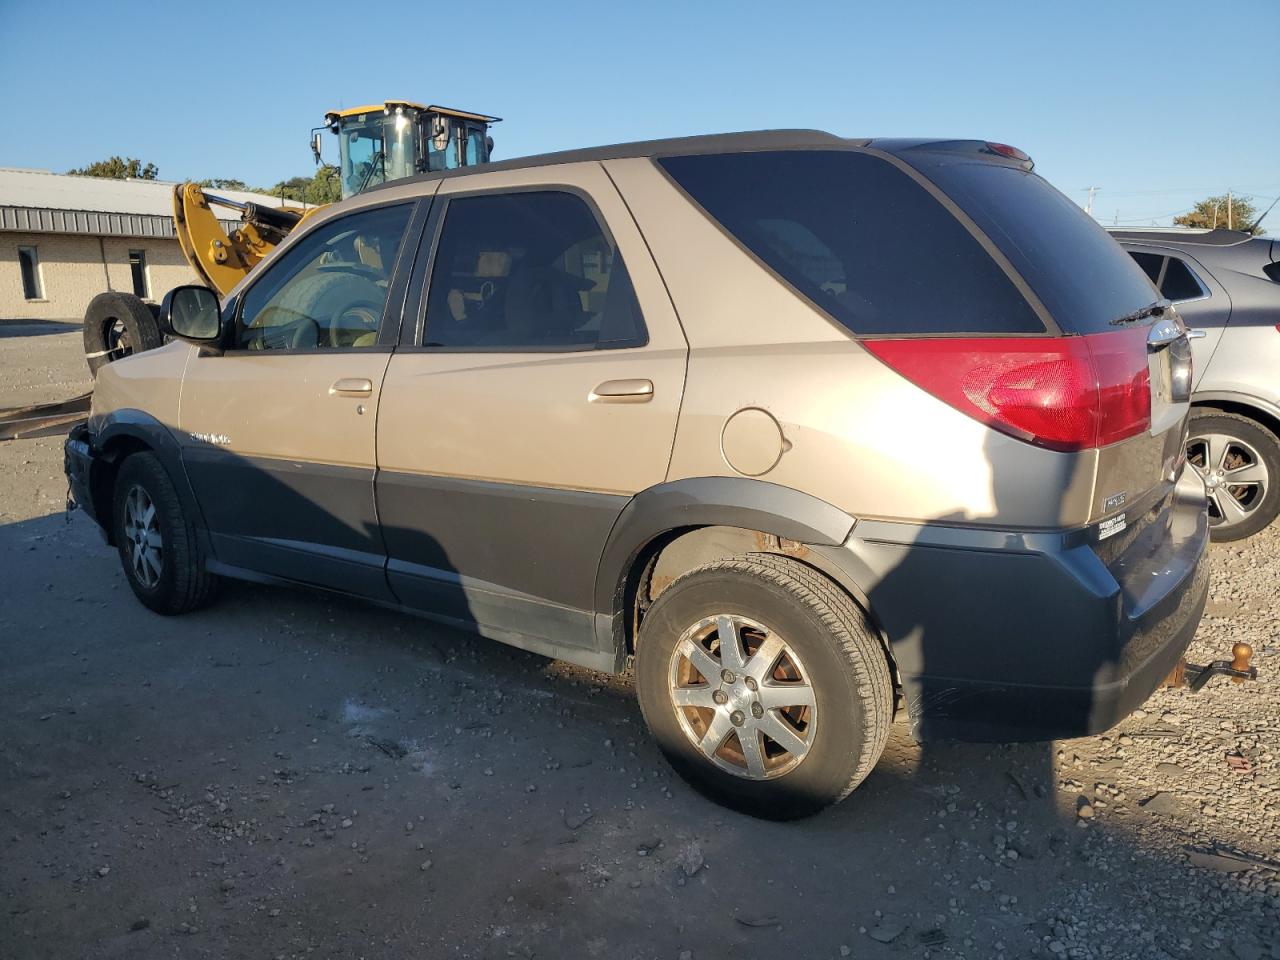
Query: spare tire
column 116, row 325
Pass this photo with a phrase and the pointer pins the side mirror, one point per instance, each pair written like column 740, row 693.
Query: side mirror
column 191, row 313
column 315, row 145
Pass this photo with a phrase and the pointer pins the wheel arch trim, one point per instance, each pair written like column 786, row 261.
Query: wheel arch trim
column 651, row 516
column 129, row 424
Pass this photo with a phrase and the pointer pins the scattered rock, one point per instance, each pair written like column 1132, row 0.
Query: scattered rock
column 1170, row 770
column 1162, row 802
column 886, row 930
column 690, row 858
column 140, row 924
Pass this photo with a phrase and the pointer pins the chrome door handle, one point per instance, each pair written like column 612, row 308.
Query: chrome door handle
column 1194, row 334
column 351, row 387
column 622, row 391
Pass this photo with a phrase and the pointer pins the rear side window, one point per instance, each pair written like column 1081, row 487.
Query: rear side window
column 1172, row 277
column 1151, row 264
column 1179, row 282
column 1076, row 269
column 859, row 238
column 529, row 271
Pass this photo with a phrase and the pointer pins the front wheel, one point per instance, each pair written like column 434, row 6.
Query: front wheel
column 156, row 540
column 1239, row 461
column 764, row 685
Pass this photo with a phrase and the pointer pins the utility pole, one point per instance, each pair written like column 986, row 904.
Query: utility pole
column 1088, row 206
column 1230, row 218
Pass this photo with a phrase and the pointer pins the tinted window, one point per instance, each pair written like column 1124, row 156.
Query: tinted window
column 1151, row 264
column 1079, row 272
column 1179, row 282
column 29, row 263
column 859, row 238
column 329, row 289
column 529, row 271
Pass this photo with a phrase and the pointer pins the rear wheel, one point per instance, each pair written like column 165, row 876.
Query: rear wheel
column 1239, row 461
column 764, row 685
column 156, row 540
column 117, row 325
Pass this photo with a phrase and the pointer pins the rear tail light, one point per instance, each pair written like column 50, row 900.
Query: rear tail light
column 1012, row 153
column 1063, row 393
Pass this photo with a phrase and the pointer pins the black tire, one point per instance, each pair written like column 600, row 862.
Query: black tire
column 843, row 658
column 182, row 584
column 117, row 325
column 1251, row 443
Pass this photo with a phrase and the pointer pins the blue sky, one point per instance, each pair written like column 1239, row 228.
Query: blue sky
column 1124, row 96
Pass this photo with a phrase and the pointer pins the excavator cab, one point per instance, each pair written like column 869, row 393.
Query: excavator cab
column 397, row 139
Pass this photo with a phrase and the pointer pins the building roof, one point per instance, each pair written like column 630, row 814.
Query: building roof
column 37, row 201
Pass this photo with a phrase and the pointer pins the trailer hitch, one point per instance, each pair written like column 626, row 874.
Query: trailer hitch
column 1194, row 676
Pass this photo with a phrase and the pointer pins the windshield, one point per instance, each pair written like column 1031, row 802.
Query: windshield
column 375, row 148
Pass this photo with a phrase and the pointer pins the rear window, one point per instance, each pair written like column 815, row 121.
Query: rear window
column 1079, row 272
column 859, row 238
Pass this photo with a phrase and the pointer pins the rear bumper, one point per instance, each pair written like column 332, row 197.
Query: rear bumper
column 1001, row 636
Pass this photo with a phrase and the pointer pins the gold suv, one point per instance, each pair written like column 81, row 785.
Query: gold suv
column 813, row 429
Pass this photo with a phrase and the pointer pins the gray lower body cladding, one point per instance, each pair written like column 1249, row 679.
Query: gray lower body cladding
column 1003, row 636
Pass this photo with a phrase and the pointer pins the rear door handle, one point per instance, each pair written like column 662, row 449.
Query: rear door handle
column 622, row 391
column 351, row 387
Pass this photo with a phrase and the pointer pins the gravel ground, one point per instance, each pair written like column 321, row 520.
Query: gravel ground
column 288, row 774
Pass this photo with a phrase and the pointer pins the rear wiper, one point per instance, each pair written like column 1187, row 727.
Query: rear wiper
column 1150, row 310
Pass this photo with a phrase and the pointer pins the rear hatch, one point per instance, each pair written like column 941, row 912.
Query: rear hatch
column 969, row 275
column 1091, row 290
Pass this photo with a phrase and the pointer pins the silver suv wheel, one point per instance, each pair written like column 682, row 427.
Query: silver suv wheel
column 1235, row 476
column 742, row 697
column 144, row 544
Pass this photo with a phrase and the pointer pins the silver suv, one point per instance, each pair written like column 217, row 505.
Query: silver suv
column 812, row 429
column 1226, row 286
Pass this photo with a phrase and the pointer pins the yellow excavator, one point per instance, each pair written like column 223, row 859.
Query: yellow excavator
column 377, row 144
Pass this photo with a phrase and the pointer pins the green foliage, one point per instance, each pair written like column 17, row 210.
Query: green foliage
column 316, row 190
column 221, row 183
column 1213, row 213
column 119, row 168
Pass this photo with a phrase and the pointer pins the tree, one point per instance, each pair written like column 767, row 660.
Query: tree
column 321, row 188
column 119, row 168
column 223, row 183
column 1214, row 212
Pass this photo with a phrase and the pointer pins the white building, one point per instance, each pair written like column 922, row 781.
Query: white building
column 64, row 239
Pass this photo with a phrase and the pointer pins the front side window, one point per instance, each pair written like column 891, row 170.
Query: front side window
column 29, row 265
column 529, row 271
column 329, row 290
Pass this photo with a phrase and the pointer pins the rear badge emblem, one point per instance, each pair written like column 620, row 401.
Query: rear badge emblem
column 1111, row 526
column 1113, row 503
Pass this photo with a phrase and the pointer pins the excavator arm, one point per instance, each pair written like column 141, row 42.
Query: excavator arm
column 220, row 259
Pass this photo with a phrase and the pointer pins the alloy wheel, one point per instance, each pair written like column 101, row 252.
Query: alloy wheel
column 1235, row 477
column 743, row 697
column 142, row 537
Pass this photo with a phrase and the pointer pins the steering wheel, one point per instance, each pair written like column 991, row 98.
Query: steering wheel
column 360, row 317
column 359, row 269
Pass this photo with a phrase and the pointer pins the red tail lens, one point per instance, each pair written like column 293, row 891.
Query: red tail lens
column 1064, row 393
column 1013, row 153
